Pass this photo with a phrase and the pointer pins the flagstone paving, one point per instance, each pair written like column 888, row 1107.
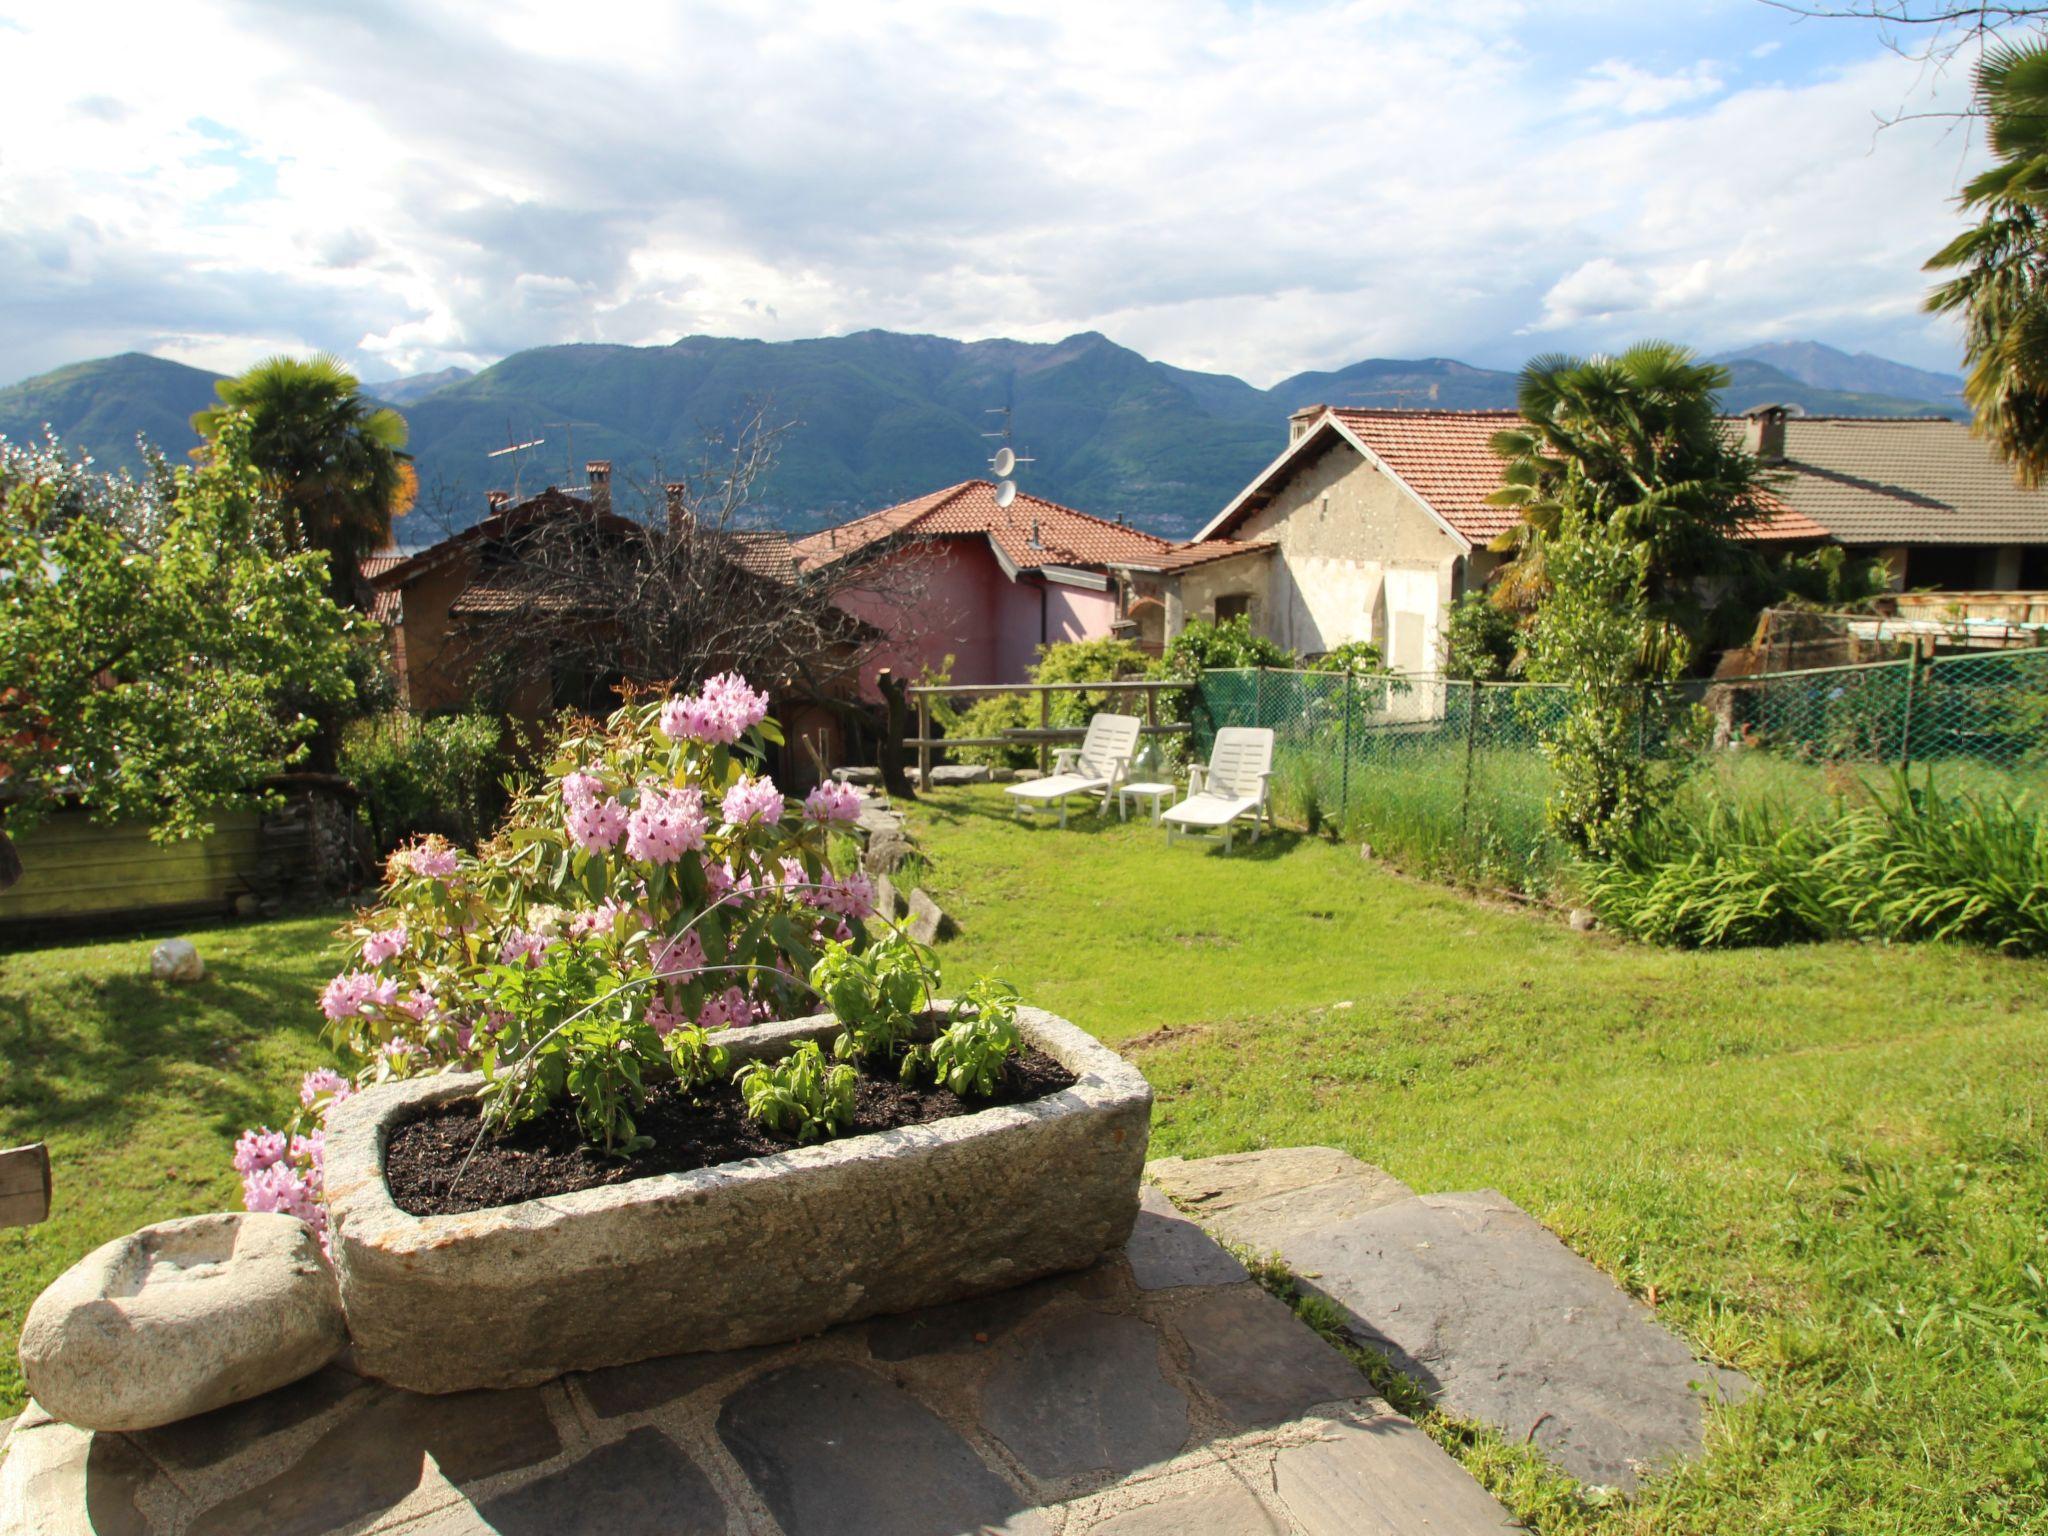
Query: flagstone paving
column 1473, row 1299
column 1159, row 1392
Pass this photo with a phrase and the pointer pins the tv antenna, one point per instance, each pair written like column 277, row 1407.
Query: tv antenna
column 1005, row 460
column 569, row 469
column 513, row 449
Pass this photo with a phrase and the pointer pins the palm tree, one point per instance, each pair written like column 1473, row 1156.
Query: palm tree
column 1634, row 443
column 337, row 462
column 2001, row 286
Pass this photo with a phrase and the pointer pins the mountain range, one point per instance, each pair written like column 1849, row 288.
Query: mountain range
column 879, row 416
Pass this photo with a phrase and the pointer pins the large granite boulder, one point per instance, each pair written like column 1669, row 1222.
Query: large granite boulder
column 180, row 1318
column 758, row 1251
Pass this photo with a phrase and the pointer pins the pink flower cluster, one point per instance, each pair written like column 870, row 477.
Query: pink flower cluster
column 725, row 710
column 595, row 820
column 663, row 1016
column 752, row 800
column 679, row 956
column 730, row 1007
column 521, row 946
column 833, row 801
column 322, row 1080
column 666, row 824
column 385, row 945
column 355, row 992
column 852, row 897
column 430, row 857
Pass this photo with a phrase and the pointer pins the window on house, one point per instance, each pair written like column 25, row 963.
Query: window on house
column 1233, row 605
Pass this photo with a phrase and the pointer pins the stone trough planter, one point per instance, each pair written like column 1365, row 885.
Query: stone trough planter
column 753, row 1252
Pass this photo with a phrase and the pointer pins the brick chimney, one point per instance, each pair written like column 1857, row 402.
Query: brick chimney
column 597, row 474
column 1299, row 422
column 1764, row 437
column 498, row 500
column 680, row 518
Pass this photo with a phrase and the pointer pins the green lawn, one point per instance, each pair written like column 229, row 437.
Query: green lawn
column 141, row 1087
column 1828, row 1163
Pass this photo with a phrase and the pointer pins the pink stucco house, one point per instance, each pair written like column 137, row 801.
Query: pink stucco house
column 995, row 583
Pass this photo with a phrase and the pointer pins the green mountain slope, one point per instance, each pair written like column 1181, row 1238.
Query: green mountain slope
column 877, row 417
column 101, row 406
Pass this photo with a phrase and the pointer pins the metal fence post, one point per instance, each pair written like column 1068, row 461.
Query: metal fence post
column 1344, row 779
column 1912, row 688
column 1471, row 745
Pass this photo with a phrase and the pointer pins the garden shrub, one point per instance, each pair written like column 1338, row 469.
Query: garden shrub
column 649, row 889
column 1089, row 661
column 1480, row 640
column 991, row 716
column 427, row 773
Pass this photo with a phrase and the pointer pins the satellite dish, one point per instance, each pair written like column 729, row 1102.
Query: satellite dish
column 1004, row 461
column 1006, row 492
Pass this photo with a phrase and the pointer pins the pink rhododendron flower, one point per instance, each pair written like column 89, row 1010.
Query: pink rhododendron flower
column 596, row 825
column 666, row 824
column 430, row 857
column 852, row 897
column 663, row 1016
column 724, row 710
column 420, row 1004
column 383, row 945
column 678, row 956
column 730, row 1007
column 832, row 801
column 258, row 1149
column 354, row 992
column 752, row 800
column 323, row 1080
column 523, row 947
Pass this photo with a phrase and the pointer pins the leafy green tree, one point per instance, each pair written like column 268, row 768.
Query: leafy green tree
column 1596, row 635
column 1359, row 656
column 148, row 646
column 1090, row 661
column 1635, row 444
column 336, row 463
column 2001, row 263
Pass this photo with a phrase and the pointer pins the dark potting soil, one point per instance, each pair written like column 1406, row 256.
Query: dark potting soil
column 548, row 1156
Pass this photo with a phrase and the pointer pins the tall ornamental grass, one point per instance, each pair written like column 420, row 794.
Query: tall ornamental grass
column 1909, row 863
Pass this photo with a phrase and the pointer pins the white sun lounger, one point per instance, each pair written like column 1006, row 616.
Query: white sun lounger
column 1232, row 786
column 1096, row 767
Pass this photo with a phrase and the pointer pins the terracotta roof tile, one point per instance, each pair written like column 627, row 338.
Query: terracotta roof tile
column 1063, row 536
column 1181, row 556
column 1444, row 458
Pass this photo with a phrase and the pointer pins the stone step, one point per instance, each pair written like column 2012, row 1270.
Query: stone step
column 1473, row 1299
column 1159, row 1393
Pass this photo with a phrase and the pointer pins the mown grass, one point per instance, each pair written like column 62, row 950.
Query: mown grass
column 140, row 1087
column 1827, row 1163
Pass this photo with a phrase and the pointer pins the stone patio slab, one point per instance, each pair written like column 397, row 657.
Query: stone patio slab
column 1081, row 1404
column 1493, row 1316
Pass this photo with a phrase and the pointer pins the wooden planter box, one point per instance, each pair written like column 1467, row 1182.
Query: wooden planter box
column 752, row 1252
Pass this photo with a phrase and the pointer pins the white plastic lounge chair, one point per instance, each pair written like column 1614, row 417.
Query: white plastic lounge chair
column 1233, row 785
column 1096, row 767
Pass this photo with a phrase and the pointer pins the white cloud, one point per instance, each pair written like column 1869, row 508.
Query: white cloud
column 1256, row 189
column 1615, row 85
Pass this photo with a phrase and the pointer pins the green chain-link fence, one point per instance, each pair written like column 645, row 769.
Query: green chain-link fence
column 1452, row 775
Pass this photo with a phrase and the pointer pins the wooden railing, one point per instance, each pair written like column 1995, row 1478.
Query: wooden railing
column 1045, row 735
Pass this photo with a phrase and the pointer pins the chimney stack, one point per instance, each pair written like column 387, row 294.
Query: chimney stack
column 680, row 518
column 597, row 473
column 1300, row 421
column 498, row 500
column 1764, row 437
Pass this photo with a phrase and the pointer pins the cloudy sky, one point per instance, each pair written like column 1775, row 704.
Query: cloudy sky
column 1254, row 188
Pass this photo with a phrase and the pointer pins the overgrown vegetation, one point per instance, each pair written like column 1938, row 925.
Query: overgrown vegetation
column 1908, row 863
column 417, row 774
